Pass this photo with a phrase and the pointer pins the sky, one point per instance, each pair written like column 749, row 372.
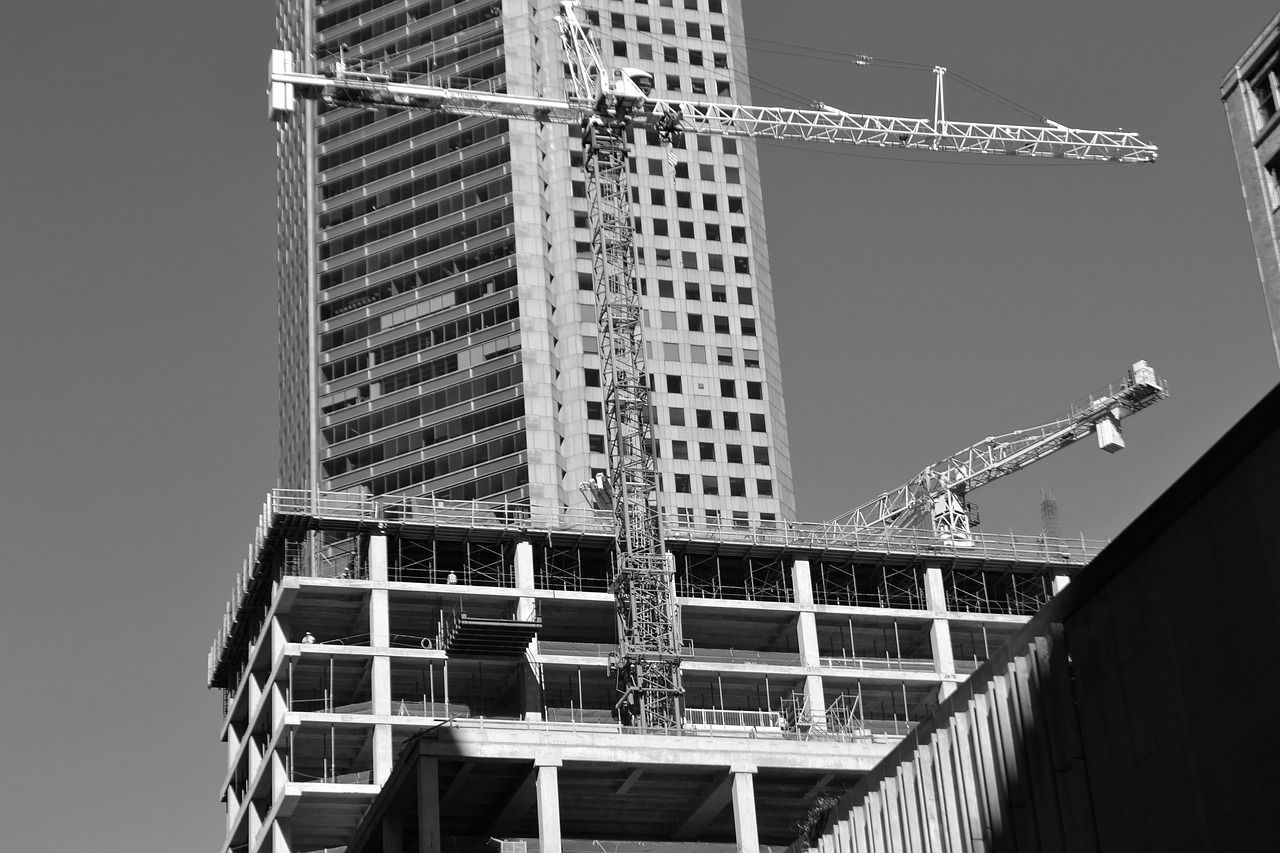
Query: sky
column 923, row 304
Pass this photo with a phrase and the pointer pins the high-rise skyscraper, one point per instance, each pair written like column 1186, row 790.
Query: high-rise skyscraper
column 437, row 323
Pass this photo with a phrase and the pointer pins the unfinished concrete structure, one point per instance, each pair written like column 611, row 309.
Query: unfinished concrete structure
column 1094, row 728
column 482, row 632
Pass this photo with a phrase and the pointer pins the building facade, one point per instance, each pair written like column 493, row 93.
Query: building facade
column 1251, row 96
column 437, row 330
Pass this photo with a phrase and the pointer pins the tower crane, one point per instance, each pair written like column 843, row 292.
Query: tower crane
column 608, row 102
column 935, row 498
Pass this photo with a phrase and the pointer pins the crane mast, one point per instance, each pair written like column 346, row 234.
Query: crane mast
column 608, row 103
column 935, row 498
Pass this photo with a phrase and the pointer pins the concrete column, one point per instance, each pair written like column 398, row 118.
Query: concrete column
column 383, row 757
column 944, row 661
column 526, row 610
column 744, row 809
column 392, row 834
column 279, row 838
column 548, row 770
column 428, row 805
column 378, row 557
column 802, row 582
column 1060, row 583
column 807, row 637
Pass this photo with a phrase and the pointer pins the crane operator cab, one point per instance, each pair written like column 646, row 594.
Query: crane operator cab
column 623, row 91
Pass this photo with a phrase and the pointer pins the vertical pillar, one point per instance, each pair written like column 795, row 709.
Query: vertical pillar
column 807, row 637
column 280, row 837
column 744, row 809
column 380, row 638
column 428, row 805
column 944, row 661
column 548, row 770
column 526, row 610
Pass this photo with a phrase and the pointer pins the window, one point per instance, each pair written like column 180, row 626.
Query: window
column 683, row 486
column 720, row 60
column 644, row 51
column 738, row 233
column 717, row 32
column 761, row 455
column 695, row 322
column 738, row 487
column 595, row 410
column 733, row 452
column 748, row 327
column 731, row 421
column 707, row 451
column 669, row 54
column 666, row 288
column 679, row 450
column 591, row 377
column 658, row 197
column 744, row 296
column 673, row 385
column 595, row 443
column 1264, row 95
column 751, row 358
column 742, row 265
column 764, row 488
column 755, row 391
column 580, row 219
column 693, row 30
column 703, row 418
column 673, row 82
column 682, row 170
column 671, row 352
column 654, row 165
column 704, row 142
column 662, row 257
column 579, row 189
column 584, row 281
column 713, row 232
column 691, row 4
column 698, row 85
column 669, row 320
column 675, row 416
column 729, row 146
column 707, row 172
column 757, row 422
column 721, row 325
column 709, row 201
column 695, row 58
column 692, row 291
column 660, row 228
column 715, row 263
column 620, row 48
column 722, row 88
column 668, row 27
column 727, row 388
column 642, row 24
column 714, row 6
column 735, row 204
column 724, row 355
column 732, row 175
column 697, row 354
column 686, row 230
column 684, row 199
column 689, row 260
column 711, row 486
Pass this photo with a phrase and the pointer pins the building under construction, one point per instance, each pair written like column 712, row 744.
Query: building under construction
column 534, row 570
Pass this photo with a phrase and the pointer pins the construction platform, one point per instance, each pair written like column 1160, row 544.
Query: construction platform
column 373, row 641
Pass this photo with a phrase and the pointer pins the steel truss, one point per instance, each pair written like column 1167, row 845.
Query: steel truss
column 978, row 591
column 649, row 642
column 563, row 567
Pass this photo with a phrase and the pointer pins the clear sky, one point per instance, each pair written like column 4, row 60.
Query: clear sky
column 923, row 303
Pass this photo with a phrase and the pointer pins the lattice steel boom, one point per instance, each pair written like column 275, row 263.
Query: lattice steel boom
column 936, row 496
column 610, row 103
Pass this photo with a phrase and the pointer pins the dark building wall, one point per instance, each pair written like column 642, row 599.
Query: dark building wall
column 1137, row 711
